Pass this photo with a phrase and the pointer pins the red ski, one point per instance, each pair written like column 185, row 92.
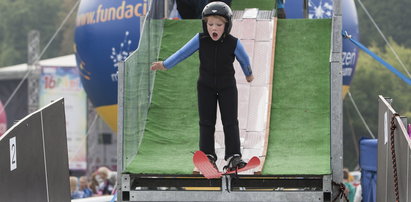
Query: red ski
column 252, row 163
column 207, row 169
column 205, row 166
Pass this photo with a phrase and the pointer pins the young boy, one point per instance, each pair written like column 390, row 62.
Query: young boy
column 216, row 83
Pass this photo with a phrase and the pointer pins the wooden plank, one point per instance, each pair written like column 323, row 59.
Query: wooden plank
column 267, row 130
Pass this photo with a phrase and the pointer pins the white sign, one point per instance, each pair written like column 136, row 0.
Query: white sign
column 385, row 128
column 57, row 82
column 13, row 154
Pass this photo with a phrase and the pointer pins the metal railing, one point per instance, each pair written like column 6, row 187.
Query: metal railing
column 394, row 160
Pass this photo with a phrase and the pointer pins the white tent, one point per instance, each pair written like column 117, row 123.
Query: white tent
column 20, row 70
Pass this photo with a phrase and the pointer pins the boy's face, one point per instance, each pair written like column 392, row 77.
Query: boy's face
column 215, row 27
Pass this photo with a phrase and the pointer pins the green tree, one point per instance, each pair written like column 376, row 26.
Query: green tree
column 18, row 17
column 371, row 80
column 392, row 17
column 67, row 32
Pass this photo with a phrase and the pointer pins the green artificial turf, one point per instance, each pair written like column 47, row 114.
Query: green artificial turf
column 299, row 141
column 260, row 4
column 171, row 133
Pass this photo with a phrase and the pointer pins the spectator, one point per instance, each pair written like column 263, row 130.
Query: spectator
column 85, row 188
column 74, row 192
column 94, row 184
column 228, row 2
column 189, row 9
column 107, row 181
column 349, row 188
column 192, row 9
column 280, row 9
column 107, row 174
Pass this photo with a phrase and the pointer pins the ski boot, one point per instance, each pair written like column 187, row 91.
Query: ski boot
column 212, row 160
column 234, row 163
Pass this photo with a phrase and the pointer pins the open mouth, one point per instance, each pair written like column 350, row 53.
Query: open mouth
column 215, row 35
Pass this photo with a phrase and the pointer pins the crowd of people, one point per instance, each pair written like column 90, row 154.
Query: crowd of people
column 101, row 182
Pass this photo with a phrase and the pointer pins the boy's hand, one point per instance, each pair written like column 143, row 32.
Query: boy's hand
column 249, row 78
column 157, row 66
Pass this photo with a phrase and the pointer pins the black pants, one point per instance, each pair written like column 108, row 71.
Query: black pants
column 227, row 99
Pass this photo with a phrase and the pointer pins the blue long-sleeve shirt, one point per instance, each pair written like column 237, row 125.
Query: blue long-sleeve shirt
column 194, row 44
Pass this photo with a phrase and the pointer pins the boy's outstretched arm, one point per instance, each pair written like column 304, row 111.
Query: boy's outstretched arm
column 188, row 49
column 158, row 66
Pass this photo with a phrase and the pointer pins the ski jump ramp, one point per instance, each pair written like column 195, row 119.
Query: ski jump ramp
column 284, row 114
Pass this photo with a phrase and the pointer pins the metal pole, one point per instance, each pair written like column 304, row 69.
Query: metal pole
column 33, row 52
column 336, row 97
column 120, row 123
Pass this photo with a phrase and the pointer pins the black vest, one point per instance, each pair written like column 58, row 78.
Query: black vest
column 216, row 59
